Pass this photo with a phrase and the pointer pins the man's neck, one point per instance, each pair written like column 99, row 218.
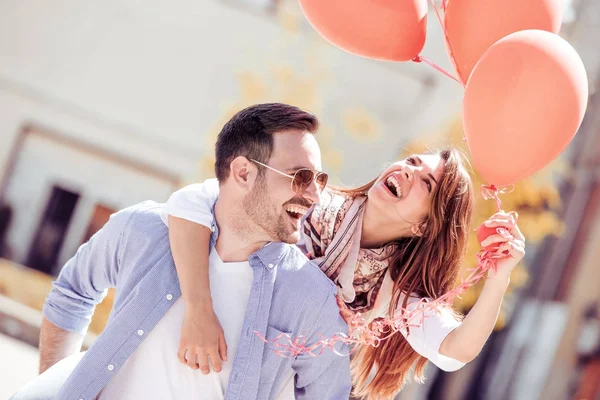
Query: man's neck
column 236, row 241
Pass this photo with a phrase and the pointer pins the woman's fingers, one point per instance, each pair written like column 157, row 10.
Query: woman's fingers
column 516, row 232
column 181, row 355
column 498, row 223
column 201, row 359
column 497, row 238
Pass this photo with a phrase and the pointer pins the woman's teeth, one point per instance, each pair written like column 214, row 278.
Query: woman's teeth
column 394, row 186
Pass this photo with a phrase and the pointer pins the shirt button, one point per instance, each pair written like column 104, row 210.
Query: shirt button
column 212, row 228
column 140, row 332
column 169, row 296
column 270, row 266
column 110, row 367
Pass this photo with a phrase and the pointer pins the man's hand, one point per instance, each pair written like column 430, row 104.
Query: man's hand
column 202, row 337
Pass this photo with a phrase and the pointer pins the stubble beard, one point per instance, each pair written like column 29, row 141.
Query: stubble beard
column 263, row 220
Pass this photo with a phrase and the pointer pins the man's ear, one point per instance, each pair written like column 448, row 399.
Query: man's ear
column 242, row 173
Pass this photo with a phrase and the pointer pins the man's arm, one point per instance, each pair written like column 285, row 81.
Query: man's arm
column 325, row 376
column 81, row 284
column 56, row 344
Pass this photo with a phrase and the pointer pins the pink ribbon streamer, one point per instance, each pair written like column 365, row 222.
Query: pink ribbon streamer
column 363, row 333
column 491, row 192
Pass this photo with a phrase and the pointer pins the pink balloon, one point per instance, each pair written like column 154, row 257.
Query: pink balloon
column 473, row 26
column 392, row 30
column 523, row 104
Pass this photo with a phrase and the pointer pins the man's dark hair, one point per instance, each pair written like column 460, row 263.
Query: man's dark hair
column 250, row 133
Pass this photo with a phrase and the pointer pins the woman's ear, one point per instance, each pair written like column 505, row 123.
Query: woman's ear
column 418, row 229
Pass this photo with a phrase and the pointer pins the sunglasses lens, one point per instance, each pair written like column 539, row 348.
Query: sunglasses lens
column 304, row 177
column 302, row 180
column 322, row 180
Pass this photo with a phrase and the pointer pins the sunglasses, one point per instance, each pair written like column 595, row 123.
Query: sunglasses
column 302, row 178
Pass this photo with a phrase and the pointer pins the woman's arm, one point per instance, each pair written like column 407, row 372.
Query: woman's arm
column 190, row 219
column 465, row 342
column 201, row 333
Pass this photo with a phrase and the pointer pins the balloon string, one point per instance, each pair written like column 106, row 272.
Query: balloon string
column 419, row 59
column 446, row 40
column 491, row 192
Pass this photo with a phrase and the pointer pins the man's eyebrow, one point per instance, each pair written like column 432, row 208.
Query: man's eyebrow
column 294, row 169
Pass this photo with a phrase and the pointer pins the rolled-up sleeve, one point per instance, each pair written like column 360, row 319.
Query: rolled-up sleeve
column 427, row 337
column 193, row 203
column 84, row 280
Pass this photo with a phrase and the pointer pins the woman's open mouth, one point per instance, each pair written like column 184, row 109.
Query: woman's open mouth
column 393, row 186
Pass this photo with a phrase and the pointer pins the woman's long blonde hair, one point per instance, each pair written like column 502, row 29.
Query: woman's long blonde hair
column 424, row 266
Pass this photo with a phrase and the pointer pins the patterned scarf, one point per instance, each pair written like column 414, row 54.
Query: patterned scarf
column 332, row 234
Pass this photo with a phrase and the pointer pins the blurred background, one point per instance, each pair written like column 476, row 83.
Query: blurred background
column 105, row 104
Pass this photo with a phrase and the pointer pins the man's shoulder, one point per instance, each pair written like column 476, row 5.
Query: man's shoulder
column 304, row 272
column 141, row 219
column 143, row 212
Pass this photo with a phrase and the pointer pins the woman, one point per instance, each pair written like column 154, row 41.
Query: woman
column 387, row 244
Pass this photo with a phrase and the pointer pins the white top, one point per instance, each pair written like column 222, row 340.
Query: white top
column 195, row 202
column 154, row 372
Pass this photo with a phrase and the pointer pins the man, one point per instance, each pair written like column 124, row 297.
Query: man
column 260, row 282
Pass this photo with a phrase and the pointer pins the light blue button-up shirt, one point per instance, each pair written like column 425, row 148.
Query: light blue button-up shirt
column 289, row 295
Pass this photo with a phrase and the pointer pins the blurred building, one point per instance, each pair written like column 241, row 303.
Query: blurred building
column 105, row 104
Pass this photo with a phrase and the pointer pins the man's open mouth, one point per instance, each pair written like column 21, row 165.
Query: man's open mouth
column 296, row 212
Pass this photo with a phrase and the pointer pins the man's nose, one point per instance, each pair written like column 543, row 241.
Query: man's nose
column 312, row 193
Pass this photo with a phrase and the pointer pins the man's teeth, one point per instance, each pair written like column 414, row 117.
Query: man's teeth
column 297, row 209
column 393, row 181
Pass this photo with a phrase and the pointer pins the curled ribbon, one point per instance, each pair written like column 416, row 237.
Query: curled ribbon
column 491, row 192
column 363, row 333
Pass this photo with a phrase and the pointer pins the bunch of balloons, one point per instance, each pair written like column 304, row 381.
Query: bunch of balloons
column 526, row 93
column 526, row 88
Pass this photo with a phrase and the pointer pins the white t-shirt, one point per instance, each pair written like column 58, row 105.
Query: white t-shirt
column 154, row 372
column 195, row 202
